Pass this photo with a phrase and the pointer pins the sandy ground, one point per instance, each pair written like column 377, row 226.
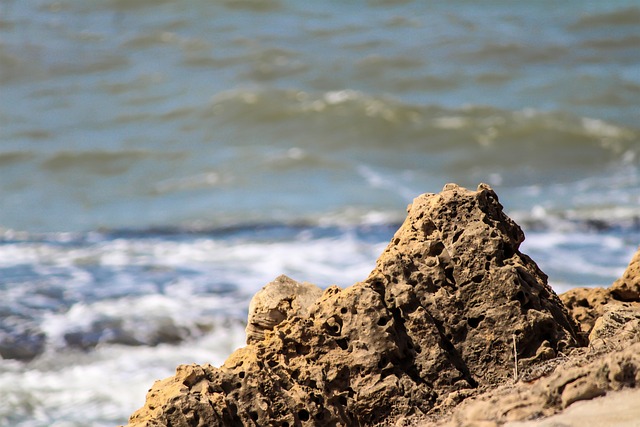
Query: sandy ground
column 616, row 409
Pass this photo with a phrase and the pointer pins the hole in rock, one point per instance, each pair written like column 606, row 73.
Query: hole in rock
column 382, row 362
column 344, row 310
column 302, row 349
column 343, row 343
column 428, row 227
column 382, row 321
column 253, row 415
column 241, row 374
column 303, row 415
column 475, row 321
column 522, row 297
column 448, row 272
column 436, row 249
column 507, row 250
column 583, row 303
column 333, row 325
column 477, row 278
column 342, row 400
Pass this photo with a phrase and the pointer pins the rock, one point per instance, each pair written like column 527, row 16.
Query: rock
column 616, row 328
column 587, row 305
column 610, row 363
column 21, row 339
column 279, row 300
column 432, row 325
column 627, row 288
column 616, row 409
column 585, row 380
column 456, row 262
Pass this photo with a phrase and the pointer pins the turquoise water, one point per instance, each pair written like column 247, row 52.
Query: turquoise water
column 160, row 161
column 136, row 114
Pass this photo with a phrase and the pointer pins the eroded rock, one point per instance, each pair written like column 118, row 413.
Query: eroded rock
column 587, row 305
column 610, row 317
column 627, row 288
column 577, row 380
column 455, row 261
column 433, row 324
column 278, row 300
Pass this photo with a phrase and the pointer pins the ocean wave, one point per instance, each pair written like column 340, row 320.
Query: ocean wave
column 65, row 292
column 341, row 119
column 620, row 17
column 100, row 162
column 104, row 385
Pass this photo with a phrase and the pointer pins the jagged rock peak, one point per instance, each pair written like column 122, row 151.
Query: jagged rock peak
column 434, row 323
column 456, row 261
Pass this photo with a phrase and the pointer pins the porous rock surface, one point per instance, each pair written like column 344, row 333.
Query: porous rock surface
column 610, row 363
column 587, row 305
column 278, row 300
column 581, row 379
column 434, row 323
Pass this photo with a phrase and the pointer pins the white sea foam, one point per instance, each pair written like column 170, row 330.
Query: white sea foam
column 104, row 387
column 387, row 181
column 579, row 259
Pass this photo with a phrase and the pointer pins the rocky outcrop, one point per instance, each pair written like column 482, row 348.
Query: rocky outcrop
column 278, row 300
column 627, row 288
column 577, row 380
column 610, row 317
column 435, row 322
column 587, row 305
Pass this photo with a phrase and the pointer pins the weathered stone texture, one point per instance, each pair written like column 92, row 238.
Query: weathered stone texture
column 433, row 324
column 281, row 299
column 627, row 288
column 587, row 305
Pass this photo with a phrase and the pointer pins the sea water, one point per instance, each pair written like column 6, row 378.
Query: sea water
column 160, row 161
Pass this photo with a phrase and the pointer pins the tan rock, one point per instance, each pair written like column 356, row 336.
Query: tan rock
column 278, row 300
column 587, row 305
column 616, row 328
column 627, row 288
column 610, row 363
column 616, row 409
column 432, row 325
column 577, row 380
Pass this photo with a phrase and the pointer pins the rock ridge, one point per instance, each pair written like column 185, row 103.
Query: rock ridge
column 587, row 305
column 436, row 322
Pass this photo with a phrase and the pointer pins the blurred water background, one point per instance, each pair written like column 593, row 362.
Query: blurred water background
column 161, row 160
